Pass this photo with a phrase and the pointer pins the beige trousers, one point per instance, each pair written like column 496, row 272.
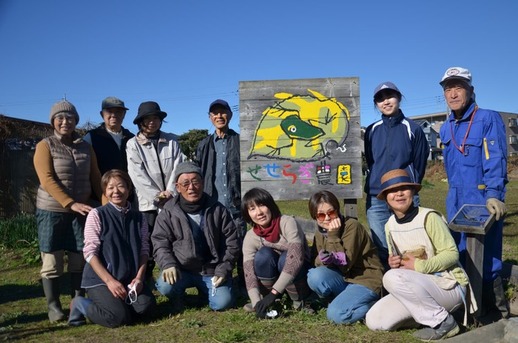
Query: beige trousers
column 414, row 298
column 54, row 263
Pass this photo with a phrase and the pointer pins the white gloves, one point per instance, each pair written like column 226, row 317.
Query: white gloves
column 496, row 207
column 217, row 281
column 171, row 275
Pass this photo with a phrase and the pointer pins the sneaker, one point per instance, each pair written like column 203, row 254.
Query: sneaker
column 249, row 308
column 317, row 303
column 304, row 306
column 78, row 308
column 448, row 328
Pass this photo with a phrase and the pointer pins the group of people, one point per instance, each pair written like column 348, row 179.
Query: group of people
column 190, row 219
column 99, row 202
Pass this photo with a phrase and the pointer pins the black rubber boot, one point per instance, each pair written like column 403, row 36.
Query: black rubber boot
column 75, row 285
column 51, row 290
column 494, row 302
column 501, row 302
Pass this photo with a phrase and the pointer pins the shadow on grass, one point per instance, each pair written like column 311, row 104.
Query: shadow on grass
column 25, row 318
column 192, row 302
column 24, row 334
column 12, row 292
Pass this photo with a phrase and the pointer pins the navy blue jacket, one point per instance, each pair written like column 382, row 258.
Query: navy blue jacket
column 108, row 154
column 394, row 142
column 120, row 246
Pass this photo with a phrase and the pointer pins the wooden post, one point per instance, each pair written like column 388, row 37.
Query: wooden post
column 351, row 208
column 475, row 233
column 475, row 265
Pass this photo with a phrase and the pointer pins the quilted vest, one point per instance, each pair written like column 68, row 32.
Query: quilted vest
column 72, row 171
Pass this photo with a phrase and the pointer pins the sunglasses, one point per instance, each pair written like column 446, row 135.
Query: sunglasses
column 332, row 214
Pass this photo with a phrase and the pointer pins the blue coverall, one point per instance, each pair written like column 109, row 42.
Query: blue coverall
column 476, row 165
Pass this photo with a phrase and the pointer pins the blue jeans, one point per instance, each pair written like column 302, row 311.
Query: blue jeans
column 268, row 264
column 378, row 214
column 350, row 301
column 219, row 298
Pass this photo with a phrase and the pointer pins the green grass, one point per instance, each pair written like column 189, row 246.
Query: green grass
column 23, row 318
column 23, row 309
column 18, row 231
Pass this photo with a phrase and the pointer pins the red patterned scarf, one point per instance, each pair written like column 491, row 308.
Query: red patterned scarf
column 270, row 233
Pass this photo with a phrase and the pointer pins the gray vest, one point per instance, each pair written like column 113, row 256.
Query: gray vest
column 71, row 170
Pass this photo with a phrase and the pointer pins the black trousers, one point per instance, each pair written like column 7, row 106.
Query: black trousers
column 106, row 310
column 150, row 218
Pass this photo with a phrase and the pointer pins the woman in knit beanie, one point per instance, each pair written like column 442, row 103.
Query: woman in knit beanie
column 67, row 170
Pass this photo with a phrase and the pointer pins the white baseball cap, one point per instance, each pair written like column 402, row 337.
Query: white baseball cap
column 458, row 73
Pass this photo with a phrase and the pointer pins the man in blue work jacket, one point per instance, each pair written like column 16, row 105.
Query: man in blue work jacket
column 475, row 158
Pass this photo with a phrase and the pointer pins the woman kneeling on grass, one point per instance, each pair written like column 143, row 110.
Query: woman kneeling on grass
column 275, row 254
column 425, row 282
column 347, row 269
column 116, row 251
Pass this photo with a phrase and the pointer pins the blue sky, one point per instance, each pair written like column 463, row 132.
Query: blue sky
column 184, row 54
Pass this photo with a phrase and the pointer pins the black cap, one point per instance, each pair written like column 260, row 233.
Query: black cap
column 149, row 108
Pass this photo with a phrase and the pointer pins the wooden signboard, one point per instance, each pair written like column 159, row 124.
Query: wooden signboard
column 301, row 136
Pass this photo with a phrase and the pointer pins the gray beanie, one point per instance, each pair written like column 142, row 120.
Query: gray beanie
column 185, row 168
column 63, row 106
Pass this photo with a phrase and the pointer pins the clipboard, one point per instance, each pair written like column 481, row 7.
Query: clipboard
column 472, row 218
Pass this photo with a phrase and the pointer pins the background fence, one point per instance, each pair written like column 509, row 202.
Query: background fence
column 18, row 179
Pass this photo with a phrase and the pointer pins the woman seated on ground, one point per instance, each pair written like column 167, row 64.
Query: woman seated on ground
column 347, row 271
column 425, row 282
column 116, row 251
column 275, row 254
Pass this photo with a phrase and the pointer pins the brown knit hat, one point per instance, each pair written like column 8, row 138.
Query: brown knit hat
column 393, row 179
column 63, row 106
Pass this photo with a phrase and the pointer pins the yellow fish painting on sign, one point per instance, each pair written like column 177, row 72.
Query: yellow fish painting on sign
column 298, row 127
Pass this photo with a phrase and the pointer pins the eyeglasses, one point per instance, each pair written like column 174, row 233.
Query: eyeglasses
column 62, row 117
column 331, row 214
column 132, row 294
column 185, row 185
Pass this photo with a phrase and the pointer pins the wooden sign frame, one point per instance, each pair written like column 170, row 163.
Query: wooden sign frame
column 301, row 136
